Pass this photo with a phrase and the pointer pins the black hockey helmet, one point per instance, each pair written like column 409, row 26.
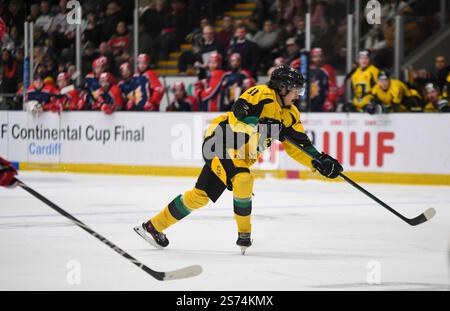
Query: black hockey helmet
column 284, row 78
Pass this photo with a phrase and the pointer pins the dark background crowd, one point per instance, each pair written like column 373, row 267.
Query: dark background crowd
column 243, row 48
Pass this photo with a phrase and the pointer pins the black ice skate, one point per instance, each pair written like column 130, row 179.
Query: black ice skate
column 151, row 235
column 244, row 241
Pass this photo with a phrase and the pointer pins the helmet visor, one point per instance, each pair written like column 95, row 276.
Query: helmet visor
column 300, row 90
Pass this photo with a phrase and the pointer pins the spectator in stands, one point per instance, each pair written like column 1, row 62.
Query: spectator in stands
column 63, row 33
column 39, row 70
column 50, row 67
column 20, row 60
column 295, row 8
column 233, row 82
column 277, row 11
column 364, row 78
column 178, row 20
column 14, row 16
column 113, row 15
column 182, row 101
column 42, row 39
column 318, row 18
column 267, row 41
column 252, row 28
column 59, row 22
column 127, row 85
column 90, row 54
column 120, row 41
column 8, row 73
column 110, row 97
column 34, row 13
column 145, row 42
column 440, row 72
column 72, row 70
column 248, row 83
column 261, row 12
column 292, row 50
column 434, row 101
column 300, row 32
column 10, row 39
column 154, row 18
column 93, row 31
column 208, row 91
column 246, row 48
column 148, row 89
column 44, row 20
column 173, row 31
column 225, row 35
column 335, row 11
column 105, row 50
column 189, row 57
column 337, row 55
column 210, row 46
column 279, row 61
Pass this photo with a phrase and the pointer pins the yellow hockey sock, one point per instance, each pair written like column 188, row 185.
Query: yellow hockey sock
column 242, row 201
column 179, row 208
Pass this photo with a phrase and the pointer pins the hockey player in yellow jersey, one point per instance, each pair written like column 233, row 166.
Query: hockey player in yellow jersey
column 434, row 101
column 363, row 79
column 231, row 146
column 388, row 95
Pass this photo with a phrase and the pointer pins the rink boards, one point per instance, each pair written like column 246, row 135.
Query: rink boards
column 396, row 148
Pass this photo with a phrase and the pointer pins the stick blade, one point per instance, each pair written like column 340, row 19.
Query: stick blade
column 183, row 273
column 425, row 216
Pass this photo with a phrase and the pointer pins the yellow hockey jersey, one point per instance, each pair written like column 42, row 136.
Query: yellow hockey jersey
column 363, row 80
column 394, row 95
column 263, row 103
column 446, row 88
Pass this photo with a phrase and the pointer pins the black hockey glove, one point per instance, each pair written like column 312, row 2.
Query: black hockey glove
column 442, row 106
column 327, row 166
column 374, row 107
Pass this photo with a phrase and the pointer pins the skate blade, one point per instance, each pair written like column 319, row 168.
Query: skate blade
column 244, row 249
column 141, row 232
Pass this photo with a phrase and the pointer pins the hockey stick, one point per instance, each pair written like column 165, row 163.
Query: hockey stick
column 182, row 273
column 427, row 215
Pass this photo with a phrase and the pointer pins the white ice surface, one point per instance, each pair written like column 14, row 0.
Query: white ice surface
column 308, row 235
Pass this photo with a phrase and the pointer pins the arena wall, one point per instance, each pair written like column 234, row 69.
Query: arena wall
column 389, row 148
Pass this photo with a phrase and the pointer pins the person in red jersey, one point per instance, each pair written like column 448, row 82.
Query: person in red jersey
column 67, row 98
column 41, row 96
column 148, row 89
column 110, row 98
column 91, row 81
column 248, row 83
column 209, row 91
column 182, row 101
column 233, row 82
column 127, row 85
column 317, row 60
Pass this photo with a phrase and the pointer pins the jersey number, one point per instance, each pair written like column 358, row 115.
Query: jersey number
column 253, row 92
